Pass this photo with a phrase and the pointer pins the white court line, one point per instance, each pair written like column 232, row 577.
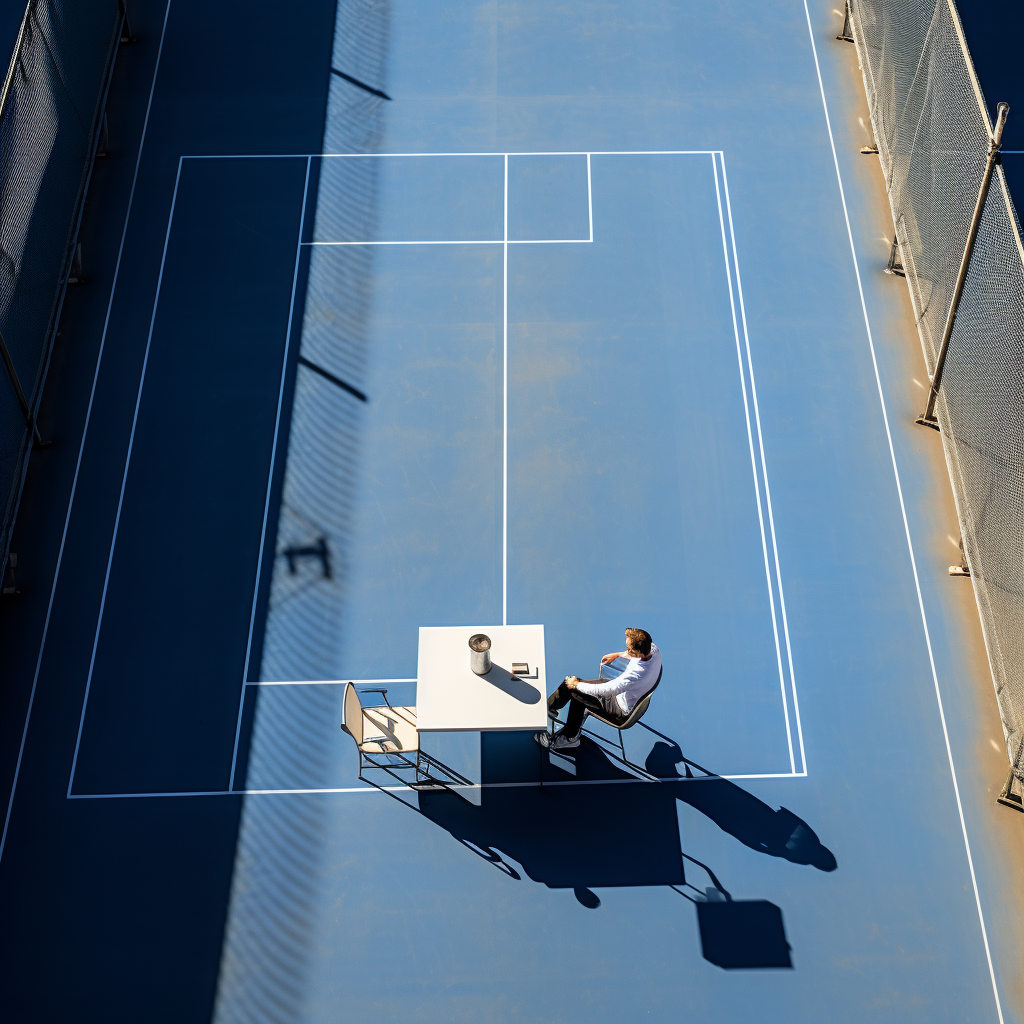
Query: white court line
column 447, row 241
column 373, row 156
column 270, row 475
column 505, row 242
column 753, row 467
column 590, row 200
column 124, row 481
column 403, row 789
column 764, row 473
column 476, row 241
column 906, row 522
column 504, row 417
column 328, row 682
column 85, row 431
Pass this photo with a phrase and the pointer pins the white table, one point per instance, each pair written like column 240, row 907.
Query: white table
column 450, row 697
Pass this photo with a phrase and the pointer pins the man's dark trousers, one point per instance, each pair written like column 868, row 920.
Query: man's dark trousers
column 579, row 704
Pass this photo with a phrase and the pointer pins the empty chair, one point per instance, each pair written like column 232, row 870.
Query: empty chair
column 387, row 738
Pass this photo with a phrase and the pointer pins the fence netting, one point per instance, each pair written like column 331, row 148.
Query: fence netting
column 52, row 104
column 932, row 128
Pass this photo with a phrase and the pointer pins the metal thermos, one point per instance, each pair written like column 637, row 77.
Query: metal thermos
column 480, row 653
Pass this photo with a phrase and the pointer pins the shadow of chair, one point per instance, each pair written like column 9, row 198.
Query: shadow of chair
column 387, row 739
column 606, row 833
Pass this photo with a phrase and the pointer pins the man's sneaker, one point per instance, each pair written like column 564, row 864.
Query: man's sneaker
column 562, row 742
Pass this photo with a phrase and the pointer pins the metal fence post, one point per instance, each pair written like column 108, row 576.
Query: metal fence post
column 995, row 143
column 1007, row 796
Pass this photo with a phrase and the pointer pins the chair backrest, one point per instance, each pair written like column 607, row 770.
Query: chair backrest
column 352, row 714
column 641, row 705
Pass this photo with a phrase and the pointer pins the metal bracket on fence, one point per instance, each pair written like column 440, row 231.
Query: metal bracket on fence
column 963, row 569
column 103, row 145
column 846, row 36
column 75, row 273
column 895, row 264
column 20, row 395
column 995, row 144
column 1007, row 796
column 10, row 588
column 126, row 32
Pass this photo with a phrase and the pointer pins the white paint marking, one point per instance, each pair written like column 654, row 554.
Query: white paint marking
column 364, row 156
column 452, row 241
column 85, row 432
column 328, row 682
column 764, row 471
column 906, row 523
column 753, row 466
column 399, row 789
column 471, row 241
column 124, row 481
column 590, row 200
column 270, row 476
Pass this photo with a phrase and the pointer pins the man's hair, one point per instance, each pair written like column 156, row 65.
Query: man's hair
column 639, row 640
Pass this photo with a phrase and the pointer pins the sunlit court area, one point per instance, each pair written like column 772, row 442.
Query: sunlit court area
column 513, row 512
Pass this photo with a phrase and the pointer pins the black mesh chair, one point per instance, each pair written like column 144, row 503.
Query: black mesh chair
column 639, row 709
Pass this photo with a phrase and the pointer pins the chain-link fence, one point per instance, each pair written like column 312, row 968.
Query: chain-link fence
column 932, row 128
column 50, row 116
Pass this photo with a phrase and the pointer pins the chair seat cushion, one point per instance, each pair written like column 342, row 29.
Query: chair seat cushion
column 389, row 730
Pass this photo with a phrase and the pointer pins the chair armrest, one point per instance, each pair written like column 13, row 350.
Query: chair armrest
column 382, row 690
column 602, row 667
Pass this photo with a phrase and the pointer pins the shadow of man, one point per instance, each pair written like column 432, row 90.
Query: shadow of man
column 609, row 833
column 778, row 833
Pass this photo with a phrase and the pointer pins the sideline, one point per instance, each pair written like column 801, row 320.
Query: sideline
column 85, row 431
column 906, row 524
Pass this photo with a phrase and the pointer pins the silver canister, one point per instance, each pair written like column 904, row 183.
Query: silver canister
column 480, row 653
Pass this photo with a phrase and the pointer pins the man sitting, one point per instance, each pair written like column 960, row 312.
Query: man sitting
column 614, row 698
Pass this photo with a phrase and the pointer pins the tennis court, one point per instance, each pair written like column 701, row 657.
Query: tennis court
column 567, row 315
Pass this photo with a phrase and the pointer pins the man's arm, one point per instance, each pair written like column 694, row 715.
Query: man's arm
column 573, row 681
column 599, row 687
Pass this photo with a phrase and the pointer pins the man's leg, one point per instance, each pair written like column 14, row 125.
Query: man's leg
column 560, row 697
column 578, row 706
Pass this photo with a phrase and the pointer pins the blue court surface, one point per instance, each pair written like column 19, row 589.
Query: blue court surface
column 503, row 313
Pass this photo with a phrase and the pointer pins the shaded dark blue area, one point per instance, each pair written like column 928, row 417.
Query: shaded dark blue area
column 743, row 934
column 127, row 899
column 11, row 14
column 163, row 700
column 615, row 830
column 994, row 32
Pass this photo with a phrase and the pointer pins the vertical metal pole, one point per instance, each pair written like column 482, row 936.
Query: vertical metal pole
column 1007, row 796
column 995, row 143
column 126, row 31
column 846, row 36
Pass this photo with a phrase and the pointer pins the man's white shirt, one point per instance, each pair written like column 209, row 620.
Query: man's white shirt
column 621, row 694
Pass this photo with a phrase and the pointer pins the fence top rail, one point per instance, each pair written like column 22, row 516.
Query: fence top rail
column 8, row 81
